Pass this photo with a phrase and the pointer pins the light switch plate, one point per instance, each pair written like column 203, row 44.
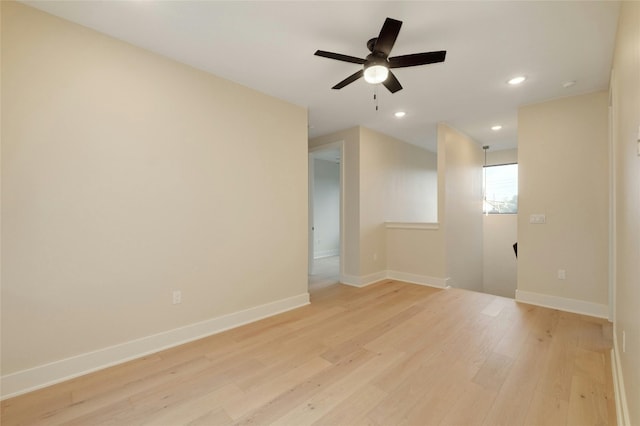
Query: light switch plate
column 537, row 219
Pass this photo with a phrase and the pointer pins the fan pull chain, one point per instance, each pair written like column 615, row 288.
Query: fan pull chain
column 375, row 96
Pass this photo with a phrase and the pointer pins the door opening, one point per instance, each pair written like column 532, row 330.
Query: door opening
column 325, row 215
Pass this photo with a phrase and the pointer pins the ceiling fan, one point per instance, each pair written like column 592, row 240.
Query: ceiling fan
column 377, row 64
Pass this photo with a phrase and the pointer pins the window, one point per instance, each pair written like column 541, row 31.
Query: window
column 501, row 189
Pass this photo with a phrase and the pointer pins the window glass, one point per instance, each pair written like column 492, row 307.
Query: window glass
column 501, row 189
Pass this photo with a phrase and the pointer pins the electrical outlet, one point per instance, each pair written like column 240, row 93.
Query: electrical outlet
column 562, row 274
column 177, row 297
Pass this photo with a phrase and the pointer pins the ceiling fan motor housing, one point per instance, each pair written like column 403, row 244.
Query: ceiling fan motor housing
column 371, row 44
column 376, row 58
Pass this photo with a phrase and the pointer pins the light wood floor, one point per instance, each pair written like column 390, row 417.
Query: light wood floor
column 388, row 354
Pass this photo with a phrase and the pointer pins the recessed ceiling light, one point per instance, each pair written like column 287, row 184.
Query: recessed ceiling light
column 517, row 80
column 496, row 127
column 400, row 114
column 568, row 84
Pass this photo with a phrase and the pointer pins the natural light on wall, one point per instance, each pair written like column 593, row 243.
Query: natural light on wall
column 501, row 189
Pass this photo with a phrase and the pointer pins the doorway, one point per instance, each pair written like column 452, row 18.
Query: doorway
column 325, row 218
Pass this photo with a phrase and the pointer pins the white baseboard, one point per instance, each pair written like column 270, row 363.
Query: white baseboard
column 373, row 278
column 418, row 279
column 364, row 280
column 48, row 374
column 563, row 304
column 622, row 409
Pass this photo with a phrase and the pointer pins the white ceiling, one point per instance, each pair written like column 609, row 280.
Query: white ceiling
column 269, row 46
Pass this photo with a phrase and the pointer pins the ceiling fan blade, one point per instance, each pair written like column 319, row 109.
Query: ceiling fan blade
column 339, row 57
column 392, row 83
column 417, row 59
column 353, row 77
column 388, row 36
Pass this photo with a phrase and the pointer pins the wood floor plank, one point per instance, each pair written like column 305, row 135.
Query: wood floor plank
column 412, row 390
column 547, row 409
column 280, row 361
column 339, row 351
column 493, row 372
column 191, row 384
column 93, row 385
column 494, row 308
column 550, row 401
column 357, row 316
column 421, row 343
column 587, row 404
column 353, row 409
column 211, row 418
column 388, row 354
column 281, row 404
column 119, row 396
column 470, row 407
column 516, row 393
column 28, row 408
column 269, row 390
column 513, row 339
column 440, row 396
column 192, row 387
column 321, row 403
column 191, row 410
column 590, row 364
column 394, row 376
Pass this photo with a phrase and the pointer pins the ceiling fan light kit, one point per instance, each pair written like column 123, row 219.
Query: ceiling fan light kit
column 377, row 66
column 375, row 74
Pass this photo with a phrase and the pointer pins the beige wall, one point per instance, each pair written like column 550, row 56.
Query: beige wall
column 401, row 179
column 460, row 162
column 626, row 126
column 417, row 252
column 452, row 252
column 125, row 176
column 398, row 183
column 563, row 173
column 503, row 156
column 385, row 180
